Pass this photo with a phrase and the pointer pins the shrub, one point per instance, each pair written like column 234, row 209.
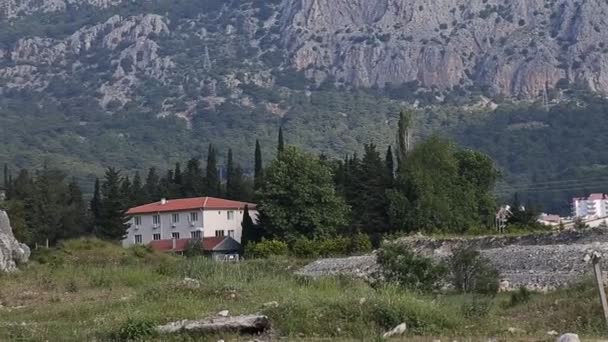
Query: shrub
column 407, row 269
column 360, row 243
column 520, row 296
column 334, row 246
column 305, row 248
column 71, row 286
column 134, row 330
column 194, row 248
column 477, row 306
column 472, row 273
column 266, row 248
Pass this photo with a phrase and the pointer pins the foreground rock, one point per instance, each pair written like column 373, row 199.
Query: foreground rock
column 12, row 252
column 541, row 262
column 397, row 331
column 359, row 266
column 568, row 338
column 246, row 324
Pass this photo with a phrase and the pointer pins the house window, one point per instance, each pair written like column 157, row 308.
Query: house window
column 175, row 235
column 156, row 219
column 138, row 239
column 230, row 215
column 195, row 234
column 219, row 233
column 156, row 237
column 175, row 218
column 231, row 233
column 137, row 220
column 193, row 217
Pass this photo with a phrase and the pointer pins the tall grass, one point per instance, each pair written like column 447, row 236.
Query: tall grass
column 76, row 296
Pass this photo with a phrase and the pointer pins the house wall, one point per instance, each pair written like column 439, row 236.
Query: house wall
column 209, row 221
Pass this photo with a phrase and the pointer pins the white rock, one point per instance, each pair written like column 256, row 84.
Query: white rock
column 273, row 304
column 362, row 301
column 12, row 252
column 516, row 331
column 568, row 338
column 398, row 330
column 552, row 333
column 223, row 313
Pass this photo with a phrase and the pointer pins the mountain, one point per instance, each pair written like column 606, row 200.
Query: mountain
column 134, row 83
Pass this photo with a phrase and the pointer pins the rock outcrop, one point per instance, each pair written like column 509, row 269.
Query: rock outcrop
column 12, row 252
column 538, row 262
column 517, row 48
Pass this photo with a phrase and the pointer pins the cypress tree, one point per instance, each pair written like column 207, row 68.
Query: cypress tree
column 137, row 197
column 74, row 219
column 212, row 181
column 113, row 212
column 95, row 207
column 403, row 137
column 230, row 176
column 6, row 177
column 281, row 145
column 178, row 180
column 251, row 232
column 258, row 177
column 126, row 191
column 390, row 165
column 193, row 179
column 151, row 188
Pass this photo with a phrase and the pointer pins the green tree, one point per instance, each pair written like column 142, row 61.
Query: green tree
column 212, row 180
column 251, row 232
column 113, row 225
column 281, row 144
column 95, row 207
column 258, row 177
column 152, row 186
column 390, row 165
column 299, row 197
column 193, row 179
column 404, row 136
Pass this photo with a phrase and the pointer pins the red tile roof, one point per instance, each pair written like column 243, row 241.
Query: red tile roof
column 182, row 244
column 596, row 197
column 189, row 204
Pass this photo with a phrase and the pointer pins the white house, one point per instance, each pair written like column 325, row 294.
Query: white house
column 594, row 206
column 180, row 219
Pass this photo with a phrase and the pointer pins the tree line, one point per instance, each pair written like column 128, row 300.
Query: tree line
column 432, row 185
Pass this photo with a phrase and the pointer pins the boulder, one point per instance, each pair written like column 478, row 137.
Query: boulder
column 568, row 338
column 12, row 252
column 250, row 324
column 397, row 331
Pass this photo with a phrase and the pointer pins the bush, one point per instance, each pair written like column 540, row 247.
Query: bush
column 477, row 306
column 360, row 243
column 135, row 330
column 407, row 269
column 194, row 248
column 472, row 273
column 266, row 248
column 334, row 246
column 305, row 248
column 521, row 296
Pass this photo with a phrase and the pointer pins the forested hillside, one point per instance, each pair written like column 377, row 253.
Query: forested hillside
column 86, row 84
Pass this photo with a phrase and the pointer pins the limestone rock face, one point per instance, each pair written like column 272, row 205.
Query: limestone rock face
column 516, row 48
column 12, row 252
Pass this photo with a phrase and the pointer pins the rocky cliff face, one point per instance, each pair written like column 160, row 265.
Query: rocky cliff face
column 519, row 48
column 12, row 253
column 515, row 48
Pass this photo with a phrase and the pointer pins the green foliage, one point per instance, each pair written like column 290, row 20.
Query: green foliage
column 266, row 249
column 299, row 198
column 440, row 187
column 304, row 247
column 521, row 296
column 194, row 248
column 360, row 243
column 136, row 330
column 471, row 273
column 404, row 267
column 477, row 307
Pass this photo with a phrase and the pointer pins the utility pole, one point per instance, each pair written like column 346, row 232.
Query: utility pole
column 595, row 258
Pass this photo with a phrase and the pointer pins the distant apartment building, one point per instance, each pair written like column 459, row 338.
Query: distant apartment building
column 184, row 219
column 594, row 206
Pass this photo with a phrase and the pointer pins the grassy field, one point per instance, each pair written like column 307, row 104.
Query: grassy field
column 89, row 290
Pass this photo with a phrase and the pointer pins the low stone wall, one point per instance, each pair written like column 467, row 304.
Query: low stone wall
column 542, row 261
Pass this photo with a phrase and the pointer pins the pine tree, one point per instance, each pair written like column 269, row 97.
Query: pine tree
column 95, row 207
column 258, row 178
column 281, row 145
column 126, row 191
column 113, row 212
column 212, row 180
